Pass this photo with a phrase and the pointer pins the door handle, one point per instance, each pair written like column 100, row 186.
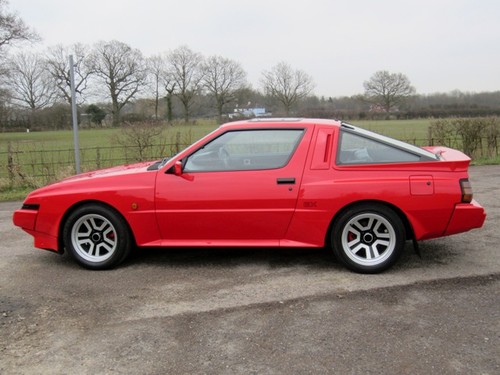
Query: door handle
column 286, row 181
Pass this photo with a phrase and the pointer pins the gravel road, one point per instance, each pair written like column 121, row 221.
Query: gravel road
column 255, row 311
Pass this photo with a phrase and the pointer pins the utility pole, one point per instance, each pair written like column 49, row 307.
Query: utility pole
column 74, row 114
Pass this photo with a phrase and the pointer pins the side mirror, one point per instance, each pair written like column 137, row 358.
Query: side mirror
column 178, row 168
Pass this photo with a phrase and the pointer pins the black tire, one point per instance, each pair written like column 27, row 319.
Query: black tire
column 368, row 238
column 97, row 237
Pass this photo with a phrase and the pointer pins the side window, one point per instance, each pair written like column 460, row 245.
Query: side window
column 356, row 149
column 246, row 150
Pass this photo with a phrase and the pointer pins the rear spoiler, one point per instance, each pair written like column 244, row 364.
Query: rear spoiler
column 457, row 159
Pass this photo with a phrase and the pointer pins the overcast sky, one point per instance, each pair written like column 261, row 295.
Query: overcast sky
column 441, row 45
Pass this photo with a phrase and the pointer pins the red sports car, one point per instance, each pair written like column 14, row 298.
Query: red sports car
column 263, row 183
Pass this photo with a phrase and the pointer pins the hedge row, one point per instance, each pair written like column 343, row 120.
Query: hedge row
column 476, row 137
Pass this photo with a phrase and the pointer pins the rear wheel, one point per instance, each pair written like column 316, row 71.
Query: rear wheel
column 368, row 238
column 97, row 237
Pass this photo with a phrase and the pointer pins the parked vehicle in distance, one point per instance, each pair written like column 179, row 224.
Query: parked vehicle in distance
column 263, row 183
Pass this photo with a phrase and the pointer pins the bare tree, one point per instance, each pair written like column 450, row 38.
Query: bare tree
column 185, row 69
column 12, row 28
column 162, row 82
column 388, row 90
column 169, row 85
column 140, row 139
column 58, row 65
column 29, row 81
column 222, row 78
column 156, row 71
column 121, row 69
column 287, row 85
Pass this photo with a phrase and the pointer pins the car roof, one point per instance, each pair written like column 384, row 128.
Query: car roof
column 281, row 122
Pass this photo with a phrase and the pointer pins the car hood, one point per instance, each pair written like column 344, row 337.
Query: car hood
column 114, row 171
column 99, row 180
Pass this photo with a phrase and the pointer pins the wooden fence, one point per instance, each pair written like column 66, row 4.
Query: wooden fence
column 40, row 167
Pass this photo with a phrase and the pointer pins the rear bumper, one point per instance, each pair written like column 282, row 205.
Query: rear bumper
column 465, row 217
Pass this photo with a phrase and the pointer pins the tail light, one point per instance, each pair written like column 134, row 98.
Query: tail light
column 466, row 190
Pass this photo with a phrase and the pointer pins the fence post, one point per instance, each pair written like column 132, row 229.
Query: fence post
column 98, row 157
column 177, row 142
column 10, row 162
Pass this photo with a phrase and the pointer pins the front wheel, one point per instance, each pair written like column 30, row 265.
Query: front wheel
column 368, row 238
column 97, row 237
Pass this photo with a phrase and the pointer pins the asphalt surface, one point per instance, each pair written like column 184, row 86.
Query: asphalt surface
column 255, row 311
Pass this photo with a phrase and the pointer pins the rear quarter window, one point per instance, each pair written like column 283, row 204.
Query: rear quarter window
column 357, row 149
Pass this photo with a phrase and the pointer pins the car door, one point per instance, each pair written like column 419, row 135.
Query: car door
column 240, row 188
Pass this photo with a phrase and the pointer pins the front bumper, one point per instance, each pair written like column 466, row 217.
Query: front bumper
column 26, row 219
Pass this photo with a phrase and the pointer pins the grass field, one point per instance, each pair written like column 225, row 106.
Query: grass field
column 88, row 138
column 405, row 130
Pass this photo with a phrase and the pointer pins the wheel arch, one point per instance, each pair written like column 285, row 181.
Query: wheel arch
column 409, row 234
column 79, row 204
